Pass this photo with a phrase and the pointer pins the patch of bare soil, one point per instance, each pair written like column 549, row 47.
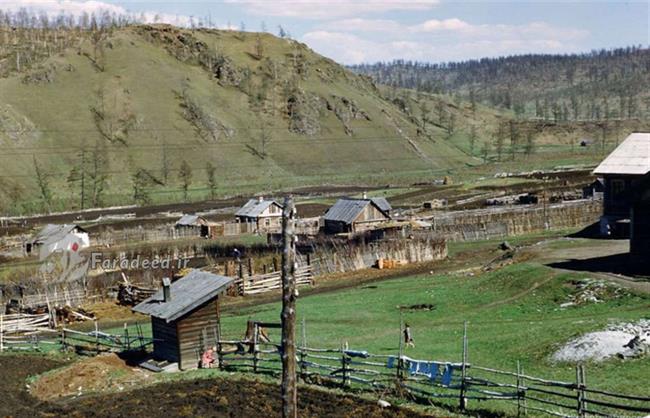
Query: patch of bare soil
column 229, row 398
column 218, row 397
column 103, row 373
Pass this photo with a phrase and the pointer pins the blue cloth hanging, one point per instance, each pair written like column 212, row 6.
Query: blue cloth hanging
column 413, row 366
column 446, row 376
column 391, row 362
column 433, row 372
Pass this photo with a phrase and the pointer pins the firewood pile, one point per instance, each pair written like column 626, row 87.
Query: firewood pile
column 130, row 295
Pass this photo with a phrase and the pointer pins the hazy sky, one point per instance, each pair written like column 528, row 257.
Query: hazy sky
column 425, row 30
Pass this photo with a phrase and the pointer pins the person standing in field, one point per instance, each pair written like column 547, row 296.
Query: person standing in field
column 408, row 337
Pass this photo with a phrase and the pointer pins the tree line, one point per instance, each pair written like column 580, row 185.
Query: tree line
column 598, row 85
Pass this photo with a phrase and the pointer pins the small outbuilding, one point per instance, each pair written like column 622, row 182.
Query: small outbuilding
column 622, row 171
column 52, row 238
column 356, row 215
column 194, row 225
column 185, row 317
column 264, row 213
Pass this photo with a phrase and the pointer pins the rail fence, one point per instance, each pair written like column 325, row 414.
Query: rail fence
column 441, row 382
column 24, row 331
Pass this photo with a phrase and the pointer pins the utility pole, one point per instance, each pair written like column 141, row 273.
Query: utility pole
column 289, row 390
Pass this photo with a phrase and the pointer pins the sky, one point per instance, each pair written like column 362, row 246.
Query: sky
column 365, row 31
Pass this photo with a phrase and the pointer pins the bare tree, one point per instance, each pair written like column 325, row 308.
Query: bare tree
column 212, row 180
column 185, row 175
column 43, row 185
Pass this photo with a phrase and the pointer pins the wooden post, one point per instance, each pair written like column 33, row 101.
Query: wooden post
column 218, row 342
column 126, row 337
column 344, row 368
column 96, row 336
column 463, row 400
column 583, row 380
column 241, row 278
column 580, row 388
column 401, row 347
column 288, row 316
column 2, row 333
column 303, row 352
column 256, row 359
column 519, row 408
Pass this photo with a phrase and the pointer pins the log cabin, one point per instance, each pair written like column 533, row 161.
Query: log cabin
column 264, row 213
column 185, row 317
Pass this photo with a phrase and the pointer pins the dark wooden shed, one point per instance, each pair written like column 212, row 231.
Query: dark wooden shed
column 185, row 317
column 356, row 215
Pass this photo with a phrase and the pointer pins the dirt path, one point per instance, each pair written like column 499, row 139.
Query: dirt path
column 520, row 294
column 604, row 259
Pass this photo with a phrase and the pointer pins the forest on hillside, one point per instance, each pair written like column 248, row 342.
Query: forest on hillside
column 598, row 85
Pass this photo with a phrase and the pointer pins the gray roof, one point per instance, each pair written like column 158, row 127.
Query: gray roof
column 632, row 156
column 254, row 207
column 190, row 220
column 54, row 233
column 382, row 204
column 347, row 210
column 187, row 294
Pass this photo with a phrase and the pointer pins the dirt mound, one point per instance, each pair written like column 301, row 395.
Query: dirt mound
column 587, row 291
column 620, row 340
column 102, row 373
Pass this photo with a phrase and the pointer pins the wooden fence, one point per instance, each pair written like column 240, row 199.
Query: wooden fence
column 440, row 382
column 98, row 341
column 23, row 331
column 250, row 285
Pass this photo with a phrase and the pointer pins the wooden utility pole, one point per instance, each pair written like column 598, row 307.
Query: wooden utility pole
column 289, row 390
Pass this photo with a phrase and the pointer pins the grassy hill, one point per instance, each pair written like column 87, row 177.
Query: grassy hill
column 121, row 111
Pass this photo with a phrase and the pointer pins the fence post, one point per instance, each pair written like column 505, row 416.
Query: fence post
column 463, row 400
column 401, row 348
column 582, row 386
column 344, row 368
column 96, row 336
column 126, row 337
column 579, row 392
column 2, row 333
column 303, row 353
column 255, row 349
column 521, row 394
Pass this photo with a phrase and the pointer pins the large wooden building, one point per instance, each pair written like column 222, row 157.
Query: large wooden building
column 622, row 172
column 185, row 317
column 356, row 215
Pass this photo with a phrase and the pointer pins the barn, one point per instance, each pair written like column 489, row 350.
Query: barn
column 195, row 225
column 356, row 215
column 266, row 214
column 622, row 172
column 185, row 317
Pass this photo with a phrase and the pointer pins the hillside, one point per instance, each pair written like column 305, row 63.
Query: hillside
column 600, row 85
column 136, row 114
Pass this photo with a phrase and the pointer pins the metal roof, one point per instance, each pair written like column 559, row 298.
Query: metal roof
column 254, row 207
column 632, row 156
column 187, row 294
column 382, row 204
column 54, row 233
column 190, row 220
column 347, row 210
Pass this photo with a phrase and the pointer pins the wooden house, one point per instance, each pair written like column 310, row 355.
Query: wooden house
column 264, row 213
column 356, row 215
column 622, row 171
column 185, row 317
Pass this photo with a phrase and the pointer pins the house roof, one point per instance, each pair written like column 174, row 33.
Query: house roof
column 254, row 207
column 632, row 156
column 191, row 220
column 347, row 210
column 382, row 204
column 187, row 294
column 54, row 233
